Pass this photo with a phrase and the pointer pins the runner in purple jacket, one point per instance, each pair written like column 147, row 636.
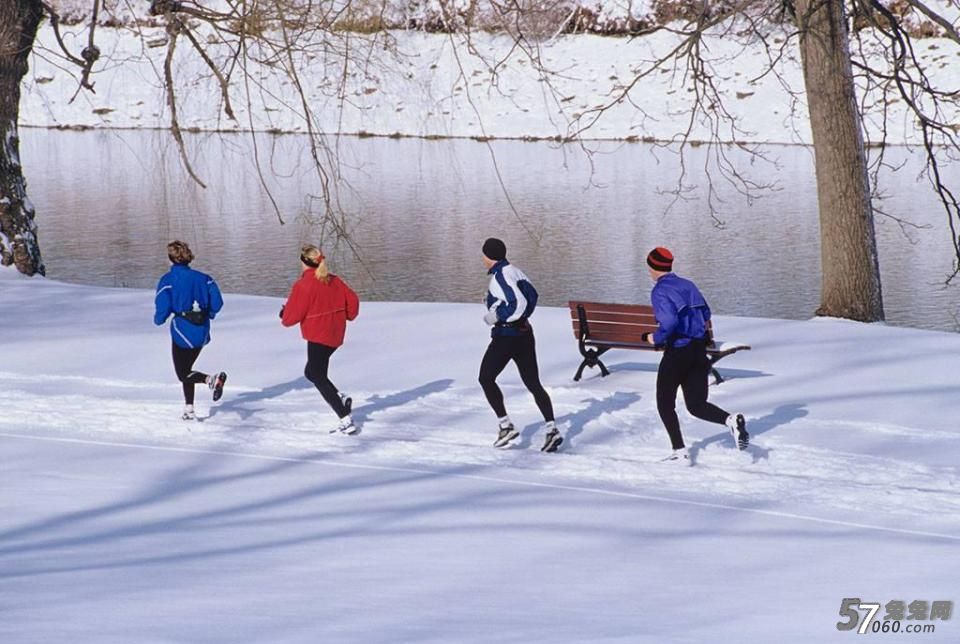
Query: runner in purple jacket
column 682, row 314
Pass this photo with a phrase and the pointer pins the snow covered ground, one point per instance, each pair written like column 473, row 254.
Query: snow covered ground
column 121, row 523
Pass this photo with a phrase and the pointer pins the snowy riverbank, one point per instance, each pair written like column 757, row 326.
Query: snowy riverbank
column 432, row 85
column 256, row 521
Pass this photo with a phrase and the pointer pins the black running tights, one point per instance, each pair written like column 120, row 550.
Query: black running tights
column 318, row 362
column 686, row 368
column 523, row 351
column 183, row 360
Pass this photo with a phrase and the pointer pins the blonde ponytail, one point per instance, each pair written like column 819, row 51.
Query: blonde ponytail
column 315, row 257
column 323, row 273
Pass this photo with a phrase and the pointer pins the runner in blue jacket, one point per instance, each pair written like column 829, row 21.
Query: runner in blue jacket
column 682, row 314
column 193, row 299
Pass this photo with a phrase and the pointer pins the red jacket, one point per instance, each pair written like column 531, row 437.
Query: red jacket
column 321, row 309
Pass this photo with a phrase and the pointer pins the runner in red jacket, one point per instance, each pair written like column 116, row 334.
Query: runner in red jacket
column 322, row 303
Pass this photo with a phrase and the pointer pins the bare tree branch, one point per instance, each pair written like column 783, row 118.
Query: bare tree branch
column 173, row 29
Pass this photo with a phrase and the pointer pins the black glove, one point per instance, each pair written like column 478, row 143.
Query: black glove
column 281, row 310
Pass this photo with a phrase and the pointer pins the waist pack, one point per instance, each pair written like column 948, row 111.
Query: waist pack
column 519, row 327
column 516, row 324
column 194, row 317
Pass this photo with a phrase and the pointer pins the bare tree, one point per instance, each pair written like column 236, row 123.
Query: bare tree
column 851, row 270
column 19, row 20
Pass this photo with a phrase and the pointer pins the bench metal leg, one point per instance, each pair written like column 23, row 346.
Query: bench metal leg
column 579, row 374
column 591, row 358
column 603, row 369
column 717, row 379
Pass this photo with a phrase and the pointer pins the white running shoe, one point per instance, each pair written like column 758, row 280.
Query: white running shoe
column 505, row 435
column 188, row 413
column 347, row 426
column 678, row 457
column 552, row 440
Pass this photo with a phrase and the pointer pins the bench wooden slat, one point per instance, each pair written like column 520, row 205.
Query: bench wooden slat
column 602, row 326
column 605, row 331
column 614, row 308
column 623, row 318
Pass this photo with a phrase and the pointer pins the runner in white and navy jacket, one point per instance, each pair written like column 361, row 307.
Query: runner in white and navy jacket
column 510, row 302
column 193, row 299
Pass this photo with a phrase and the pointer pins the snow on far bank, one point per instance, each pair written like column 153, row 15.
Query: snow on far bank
column 432, row 85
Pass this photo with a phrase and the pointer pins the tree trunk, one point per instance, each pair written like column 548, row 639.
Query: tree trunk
column 19, row 20
column 848, row 247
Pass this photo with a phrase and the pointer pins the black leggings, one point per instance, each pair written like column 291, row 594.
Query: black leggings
column 183, row 360
column 523, row 351
column 318, row 361
column 687, row 368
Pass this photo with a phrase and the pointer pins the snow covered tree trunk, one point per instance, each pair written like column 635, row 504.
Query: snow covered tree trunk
column 19, row 20
column 851, row 270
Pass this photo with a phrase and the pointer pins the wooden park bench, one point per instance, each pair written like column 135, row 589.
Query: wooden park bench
column 600, row 327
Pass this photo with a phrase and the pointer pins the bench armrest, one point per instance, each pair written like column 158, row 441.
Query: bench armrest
column 724, row 349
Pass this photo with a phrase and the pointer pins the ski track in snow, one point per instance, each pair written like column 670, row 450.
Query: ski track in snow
column 615, row 450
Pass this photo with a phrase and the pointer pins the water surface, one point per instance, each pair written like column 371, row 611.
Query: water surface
column 418, row 211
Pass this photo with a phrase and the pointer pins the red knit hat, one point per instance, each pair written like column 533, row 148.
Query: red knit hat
column 660, row 259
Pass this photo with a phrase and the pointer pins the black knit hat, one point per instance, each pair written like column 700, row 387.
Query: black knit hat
column 660, row 259
column 495, row 249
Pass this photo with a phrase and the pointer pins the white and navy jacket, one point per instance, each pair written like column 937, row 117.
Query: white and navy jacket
column 511, row 297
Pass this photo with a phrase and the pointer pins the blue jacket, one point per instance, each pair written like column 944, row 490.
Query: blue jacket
column 176, row 293
column 510, row 296
column 680, row 309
